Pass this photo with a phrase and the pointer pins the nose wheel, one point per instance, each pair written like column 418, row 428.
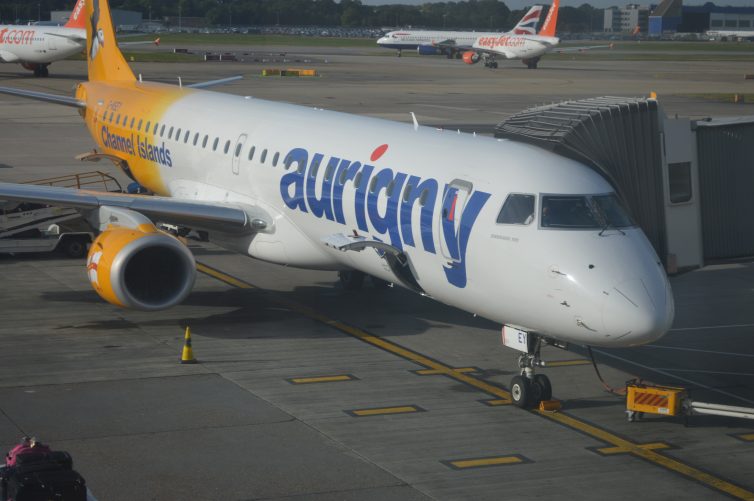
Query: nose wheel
column 529, row 389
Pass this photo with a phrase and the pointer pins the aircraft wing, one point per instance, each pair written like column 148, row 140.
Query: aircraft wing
column 581, row 48
column 211, row 216
column 75, row 37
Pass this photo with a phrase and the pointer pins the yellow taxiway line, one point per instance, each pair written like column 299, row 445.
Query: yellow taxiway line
column 382, row 411
column 648, row 452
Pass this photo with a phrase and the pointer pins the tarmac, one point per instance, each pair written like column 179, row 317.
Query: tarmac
column 306, row 391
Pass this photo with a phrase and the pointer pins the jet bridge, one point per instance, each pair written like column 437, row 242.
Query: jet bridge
column 618, row 137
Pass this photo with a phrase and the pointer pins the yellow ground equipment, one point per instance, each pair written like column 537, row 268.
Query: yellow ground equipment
column 664, row 400
column 670, row 401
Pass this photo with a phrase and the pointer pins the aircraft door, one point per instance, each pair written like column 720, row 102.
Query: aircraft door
column 237, row 151
column 50, row 43
column 454, row 200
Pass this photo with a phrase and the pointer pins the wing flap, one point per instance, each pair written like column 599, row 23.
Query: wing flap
column 211, row 216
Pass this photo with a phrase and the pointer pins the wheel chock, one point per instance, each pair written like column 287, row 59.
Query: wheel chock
column 549, row 405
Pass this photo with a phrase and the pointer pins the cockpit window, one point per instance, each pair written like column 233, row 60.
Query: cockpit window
column 610, row 212
column 583, row 212
column 517, row 209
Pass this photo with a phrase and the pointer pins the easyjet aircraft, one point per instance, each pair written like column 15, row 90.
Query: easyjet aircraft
column 528, row 48
column 519, row 235
column 451, row 43
column 35, row 47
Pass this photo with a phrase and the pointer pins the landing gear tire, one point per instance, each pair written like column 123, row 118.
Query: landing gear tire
column 378, row 283
column 351, row 279
column 74, row 247
column 544, row 385
column 41, row 71
column 520, row 391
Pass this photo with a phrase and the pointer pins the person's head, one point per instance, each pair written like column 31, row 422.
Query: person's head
column 33, row 442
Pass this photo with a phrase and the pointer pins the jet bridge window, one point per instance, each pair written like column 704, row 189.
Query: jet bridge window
column 517, row 209
column 580, row 212
column 679, row 177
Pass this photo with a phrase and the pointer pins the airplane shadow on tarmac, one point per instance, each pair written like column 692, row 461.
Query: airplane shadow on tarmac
column 256, row 307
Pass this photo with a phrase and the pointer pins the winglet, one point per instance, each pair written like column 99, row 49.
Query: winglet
column 105, row 60
column 548, row 27
column 78, row 16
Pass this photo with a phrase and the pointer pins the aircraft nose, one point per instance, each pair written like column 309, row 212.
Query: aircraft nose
column 638, row 311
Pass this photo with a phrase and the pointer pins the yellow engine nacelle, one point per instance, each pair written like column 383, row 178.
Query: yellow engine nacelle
column 143, row 268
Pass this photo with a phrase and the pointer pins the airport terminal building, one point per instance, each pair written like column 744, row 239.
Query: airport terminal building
column 671, row 16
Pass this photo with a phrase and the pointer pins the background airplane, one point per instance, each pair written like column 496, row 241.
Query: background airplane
column 505, row 230
column 35, row 47
column 528, row 48
column 451, row 43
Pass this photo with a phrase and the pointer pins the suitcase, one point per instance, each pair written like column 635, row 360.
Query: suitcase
column 43, row 477
column 51, row 485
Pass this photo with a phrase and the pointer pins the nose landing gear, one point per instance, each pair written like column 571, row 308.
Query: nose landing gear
column 527, row 389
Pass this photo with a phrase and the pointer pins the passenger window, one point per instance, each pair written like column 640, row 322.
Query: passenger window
column 275, row 159
column 517, row 209
column 238, row 149
column 227, row 147
column 162, row 130
column 315, row 168
column 178, row 135
column 117, row 120
column 356, row 179
column 204, row 141
column 196, row 138
column 342, row 177
column 679, row 177
column 264, row 157
column 214, row 144
column 423, row 197
column 170, row 133
column 138, row 127
column 329, row 171
column 407, row 192
column 251, row 152
column 390, row 188
column 373, row 185
column 186, row 137
column 156, row 126
column 146, row 129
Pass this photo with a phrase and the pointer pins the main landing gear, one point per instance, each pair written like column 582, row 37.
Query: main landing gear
column 490, row 63
column 353, row 280
column 527, row 389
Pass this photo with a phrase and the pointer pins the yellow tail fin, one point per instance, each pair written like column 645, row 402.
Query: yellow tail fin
column 548, row 27
column 104, row 58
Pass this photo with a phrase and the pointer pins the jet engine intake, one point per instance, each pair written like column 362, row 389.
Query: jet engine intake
column 470, row 57
column 142, row 268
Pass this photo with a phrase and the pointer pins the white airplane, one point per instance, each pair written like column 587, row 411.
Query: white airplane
column 730, row 34
column 519, row 235
column 451, row 43
column 528, row 48
column 35, row 47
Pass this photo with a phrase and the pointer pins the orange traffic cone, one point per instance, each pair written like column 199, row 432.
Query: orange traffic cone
column 187, row 357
